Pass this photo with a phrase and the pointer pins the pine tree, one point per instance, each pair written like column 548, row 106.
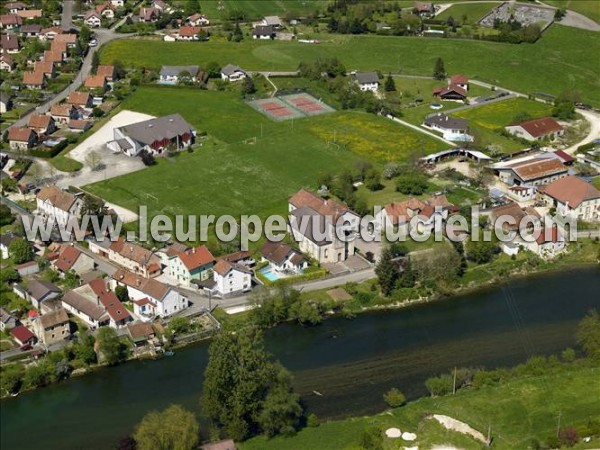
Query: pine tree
column 439, row 71
column 387, row 272
column 390, row 84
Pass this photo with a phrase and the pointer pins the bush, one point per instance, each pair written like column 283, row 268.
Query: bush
column 312, row 420
column 440, row 386
column 394, row 398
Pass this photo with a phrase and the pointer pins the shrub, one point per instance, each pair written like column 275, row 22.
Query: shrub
column 312, row 420
column 394, row 398
column 439, row 386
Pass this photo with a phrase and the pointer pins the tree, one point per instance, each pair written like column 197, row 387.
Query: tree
column 394, row 398
column 390, row 84
column 371, row 439
column 191, row 7
column 11, row 378
column 239, row 377
column 412, row 184
column 373, row 180
column 147, row 158
column 83, row 349
column 439, row 71
column 481, row 252
column 20, row 250
column 122, row 293
column 213, row 69
column 175, row 428
column 439, row 386
column 85, row 35
column 588, row 334
column 387, row 272
column 6, row 217
column 202, row 35
column 248, row 86
column 95, row 63
column 111, row 348
column 93, row 160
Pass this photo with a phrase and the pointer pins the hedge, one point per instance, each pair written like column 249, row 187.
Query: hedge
column 52, row 152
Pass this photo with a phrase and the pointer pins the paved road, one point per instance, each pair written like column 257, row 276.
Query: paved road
column 67, row 15
column 594, row 119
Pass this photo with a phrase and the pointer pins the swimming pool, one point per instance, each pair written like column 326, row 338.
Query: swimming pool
column 269, row 274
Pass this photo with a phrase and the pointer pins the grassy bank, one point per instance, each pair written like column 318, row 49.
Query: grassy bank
column 517, row 411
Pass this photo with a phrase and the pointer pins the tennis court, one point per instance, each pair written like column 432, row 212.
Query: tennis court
column 292, row 106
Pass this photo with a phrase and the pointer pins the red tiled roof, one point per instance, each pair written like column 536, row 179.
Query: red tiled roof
column 235, row 257
column 109, row 300
column 67, row 258
column 304, row 198
column 189, row 31
column 69, row 38
column 61, row 110
column 196, row 257
column 57, row 197
column 33, row 78
column 52, row 55
column 538, row 168
column 10, row 19
column 78, row 98
column 149, row 286
column 46, row 67
column 30, row 13
column 450, row 88
column 571, row 190
column 553, row 235
column 58, row 46
column 565, row 157
column 39, row 121
column 95, row 81
column 103, row 6
column 106, row 71
column 22, row 334
column 540, row 127
column 21, row 134
column 459, row 79
column 76, row 124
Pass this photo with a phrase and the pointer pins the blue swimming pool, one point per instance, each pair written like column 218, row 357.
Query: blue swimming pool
column 269, row 274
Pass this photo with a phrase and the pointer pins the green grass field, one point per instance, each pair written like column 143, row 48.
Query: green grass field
column 558, row 61
column 472, row 12
column 257, row 9
column 517, row 411
column 499, row 114
column 228, row 176
column 589, row 8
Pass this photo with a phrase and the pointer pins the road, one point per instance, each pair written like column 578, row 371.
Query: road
column 67, row 15
column 594, row 119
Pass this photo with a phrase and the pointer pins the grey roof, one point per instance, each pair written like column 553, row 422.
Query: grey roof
column 33, row 28
column 39, row 289
column 92, row 309
column 149, row 131
column 174, row 71
column 6, row 239
column 314, row 222
column 229, row 69
column 124, row 145
column 366, row 77
column 444, row 121
column 261, row 30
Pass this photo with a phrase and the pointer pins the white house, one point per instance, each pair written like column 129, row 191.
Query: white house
column 151, row 298
column 573, row 197
column 273, row 21
column 154, row 135
column 549, row 243
column 316, row 225
column 93, row 19
column 283, row 258
column 231, row 278
column 5, row 241
column 172, row 74
column 452, row 129
column 198, row 20
column 106, row 9
column 367, row 81
column 53, row 202
column 232, row 73
column 522, row 193
column 21, row 138
column 117, row 3
column 191, row 265
column 263, row 32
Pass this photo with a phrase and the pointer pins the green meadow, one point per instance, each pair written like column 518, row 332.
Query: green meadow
column 232, row 174
column 558, row 61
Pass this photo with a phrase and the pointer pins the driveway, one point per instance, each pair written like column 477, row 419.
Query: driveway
column 594, row 119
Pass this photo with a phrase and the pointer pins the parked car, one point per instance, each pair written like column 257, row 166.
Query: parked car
column 93, row 43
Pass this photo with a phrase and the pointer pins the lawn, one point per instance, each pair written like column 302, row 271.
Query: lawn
column 589, row 8
column 258, row 9
column 228, row 176
column 517, row 411
column 559, row 61
column 596, row 182
column 472, row 12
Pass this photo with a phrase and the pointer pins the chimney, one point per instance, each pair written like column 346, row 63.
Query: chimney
column 194, row 250
column 98, row 300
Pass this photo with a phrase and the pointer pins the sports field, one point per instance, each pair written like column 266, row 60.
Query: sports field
column 241, row 171
column 558, row 61
column 293, row 106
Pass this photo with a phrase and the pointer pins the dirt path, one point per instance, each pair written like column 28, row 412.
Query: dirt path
column 460, row 427
column 594, row 119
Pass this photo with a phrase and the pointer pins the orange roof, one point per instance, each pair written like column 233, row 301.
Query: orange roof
column 95, row 81
column 552, row 235
column 21, row 134
column 78, row 98
column 58, row 47
column 223, row 267
column 57, row 197
column 571, row 190
column 196, row 257
column 149, row 286
column 69, row 38
column 33, row 78
column 189, row 31
column 104, row 6
column 46, row 67
column 106, row 71
column 304, row 198
column 67, row 258
column 29, row 13
column 459, row 79
column 538, row 168
column 109, row 300
column 39, row 121
column 541, row 127
column 54, row 56
column 61, row 109
column 134, row 252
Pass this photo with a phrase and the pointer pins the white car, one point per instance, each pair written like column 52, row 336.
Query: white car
column 93, row 43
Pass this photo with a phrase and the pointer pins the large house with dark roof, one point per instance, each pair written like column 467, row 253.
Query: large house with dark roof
column 317, row 224
column 154, row 135
column 572, row 197
column 283, row 258
column 537, row 129
column 531, row 171
column 452, row 129
column 366, row 81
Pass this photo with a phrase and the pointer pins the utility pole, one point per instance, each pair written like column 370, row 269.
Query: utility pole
column 210, row 300
column 558, row 423
column 489, row 436
column 454, row 382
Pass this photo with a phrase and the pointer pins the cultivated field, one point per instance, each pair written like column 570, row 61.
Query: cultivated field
column 471, row 12
column 558, row 61
column 228, row 176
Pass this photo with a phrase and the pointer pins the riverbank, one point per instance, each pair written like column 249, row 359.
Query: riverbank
column 517, row 414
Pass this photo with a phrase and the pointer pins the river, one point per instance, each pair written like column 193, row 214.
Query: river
column 350, row 362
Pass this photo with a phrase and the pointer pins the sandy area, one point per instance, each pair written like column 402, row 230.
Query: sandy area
column 460, row 427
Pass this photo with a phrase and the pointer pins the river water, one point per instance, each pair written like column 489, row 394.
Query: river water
column 351, row 363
